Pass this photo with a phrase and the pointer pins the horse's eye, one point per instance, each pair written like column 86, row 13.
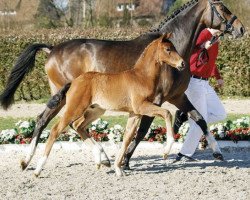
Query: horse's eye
column 221, row 7
column 168, row 49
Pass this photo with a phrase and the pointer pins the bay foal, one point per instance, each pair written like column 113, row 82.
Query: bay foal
column 132, row 91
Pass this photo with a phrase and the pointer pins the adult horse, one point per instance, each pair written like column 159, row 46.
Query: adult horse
column 68, row 60
column 90, row 89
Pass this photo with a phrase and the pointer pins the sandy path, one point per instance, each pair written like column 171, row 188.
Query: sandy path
column 71, row 175
column 32, row 110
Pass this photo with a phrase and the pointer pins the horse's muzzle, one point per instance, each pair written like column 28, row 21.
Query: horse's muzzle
column 181, row 66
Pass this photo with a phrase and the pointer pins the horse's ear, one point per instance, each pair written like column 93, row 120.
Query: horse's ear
column 166, row 36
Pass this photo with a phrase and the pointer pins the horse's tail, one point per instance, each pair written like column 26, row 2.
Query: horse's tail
column 24, row 64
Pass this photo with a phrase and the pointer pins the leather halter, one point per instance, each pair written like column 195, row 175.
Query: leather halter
column 228, row 23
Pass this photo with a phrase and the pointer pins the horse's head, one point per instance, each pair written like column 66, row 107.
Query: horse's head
column 168, row 54
column 218, row 16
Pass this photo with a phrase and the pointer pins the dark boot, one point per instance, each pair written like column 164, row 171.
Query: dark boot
column 180, row 118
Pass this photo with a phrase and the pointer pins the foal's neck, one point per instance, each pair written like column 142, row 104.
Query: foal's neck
column 148, row 63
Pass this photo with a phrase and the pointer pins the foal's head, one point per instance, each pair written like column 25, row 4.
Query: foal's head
column 168, row 54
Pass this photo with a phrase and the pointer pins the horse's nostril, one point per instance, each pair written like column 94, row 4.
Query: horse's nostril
column 182, row 64
column 242, row 30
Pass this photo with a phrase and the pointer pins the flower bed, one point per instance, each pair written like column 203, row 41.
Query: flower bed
column 237, row 130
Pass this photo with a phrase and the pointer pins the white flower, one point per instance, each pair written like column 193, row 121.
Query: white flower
column 212, row 127
column 7, row 134
column 45, row 134
column 220, row 127
column 24, row 124
column 18, row 123
column 221, row 134
column 118, row 126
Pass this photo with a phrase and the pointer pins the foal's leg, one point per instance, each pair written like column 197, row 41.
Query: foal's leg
column 145, row 123
column 79, row 125
column 55, row 132
column 54, row 105
column 147, row 108
column 132, row 123
column 75, row 107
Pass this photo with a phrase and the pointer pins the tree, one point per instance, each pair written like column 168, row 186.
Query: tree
column 48, row 15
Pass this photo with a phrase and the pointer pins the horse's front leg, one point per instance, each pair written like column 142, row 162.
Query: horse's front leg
column 145, row 123
column 197, row 117
column 186, row 106
column 132, row 123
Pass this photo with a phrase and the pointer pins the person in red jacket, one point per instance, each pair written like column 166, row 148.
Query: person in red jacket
column 199, row 92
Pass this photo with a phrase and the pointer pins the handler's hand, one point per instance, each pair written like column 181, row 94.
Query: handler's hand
column 220, row 83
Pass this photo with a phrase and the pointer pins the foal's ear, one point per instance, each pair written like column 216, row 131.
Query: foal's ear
column 166, row 36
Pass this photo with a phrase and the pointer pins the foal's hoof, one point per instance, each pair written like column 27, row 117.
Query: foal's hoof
column 165, row 156
column 119, row 172
column 98, row 166
column 23, row 164
column 106, row 163
column 218, row 156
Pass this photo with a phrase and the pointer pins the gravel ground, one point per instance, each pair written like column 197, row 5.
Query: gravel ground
column 72, row 175
column 32, row 110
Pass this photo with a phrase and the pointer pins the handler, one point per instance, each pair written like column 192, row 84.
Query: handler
column 200, row 93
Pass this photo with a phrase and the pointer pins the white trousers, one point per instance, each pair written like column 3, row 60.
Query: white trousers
column 205, row 100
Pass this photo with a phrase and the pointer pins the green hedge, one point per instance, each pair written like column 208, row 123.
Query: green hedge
column 233, row 60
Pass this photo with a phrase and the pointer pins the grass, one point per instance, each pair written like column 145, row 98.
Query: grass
column 9, row 123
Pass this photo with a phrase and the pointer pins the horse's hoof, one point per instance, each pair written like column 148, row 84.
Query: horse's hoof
column 98, row 166
column 23, row 165
column 36, row 175
column 126, row 167
column 218, row 156
column 119, row 172
column 165, row 156
column 106, row 163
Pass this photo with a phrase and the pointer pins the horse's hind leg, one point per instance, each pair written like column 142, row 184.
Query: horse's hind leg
column 91, row 114
column 52, row 108
column 75, row 107
column 132, row 123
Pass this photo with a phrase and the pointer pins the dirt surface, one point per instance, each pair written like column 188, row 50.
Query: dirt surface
column 72, row 175
column 32, row 110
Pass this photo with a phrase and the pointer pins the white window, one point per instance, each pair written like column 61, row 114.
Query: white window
column 120, row 7
column 4, row 13
column 130, row 6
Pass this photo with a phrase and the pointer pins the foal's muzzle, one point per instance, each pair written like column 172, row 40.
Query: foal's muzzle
column 181, row 66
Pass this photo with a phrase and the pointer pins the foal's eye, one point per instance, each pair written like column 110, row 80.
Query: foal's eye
column 168, row 49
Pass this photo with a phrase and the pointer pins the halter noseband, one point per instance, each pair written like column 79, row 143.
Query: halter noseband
column 228, row 23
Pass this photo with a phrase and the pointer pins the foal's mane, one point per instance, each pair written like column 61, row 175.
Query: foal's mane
column 146, row 49
column 173, row 15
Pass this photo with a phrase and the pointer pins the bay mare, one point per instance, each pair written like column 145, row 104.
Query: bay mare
column 119, row 92
column 68, row 60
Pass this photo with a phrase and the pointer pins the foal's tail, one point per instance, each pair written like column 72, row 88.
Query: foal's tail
column 24, row 64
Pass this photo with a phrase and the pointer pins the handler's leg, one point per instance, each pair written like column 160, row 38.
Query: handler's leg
column 215, row 109
column 197, row 94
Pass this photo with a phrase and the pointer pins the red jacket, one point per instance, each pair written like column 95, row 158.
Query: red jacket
column 209, row 68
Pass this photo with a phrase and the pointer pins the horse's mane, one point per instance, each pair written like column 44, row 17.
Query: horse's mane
column 145, row 50
column 173, row 15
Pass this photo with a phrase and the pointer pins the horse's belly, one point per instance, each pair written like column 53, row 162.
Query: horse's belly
column 115, row 104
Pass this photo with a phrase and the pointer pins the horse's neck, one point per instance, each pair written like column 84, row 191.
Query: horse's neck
column 147, row 64
column 185, row 28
